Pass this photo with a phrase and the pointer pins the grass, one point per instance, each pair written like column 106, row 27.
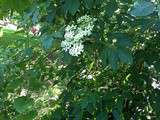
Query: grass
column 15, row 39
column 10, row 38
column 14, row 43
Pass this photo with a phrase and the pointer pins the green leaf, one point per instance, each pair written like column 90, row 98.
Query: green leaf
column 117, row 110
column 13, row 84
column 47, row 41
column 104, row 57
column 111, row 7
column 2, row 69
column 32, row 76
column 57, row 114
column 58, row 34
column 123, row 40
column 157, row 26
column 66, row 58
column 102, row 116
column 3, row 115
column 110, row 56
column 23, row 104
column 98, row 2
column 28, row 52
column 116, row 115
column 76, row 112
column 27, row 116
column 113, row 58
column 35, row 16
column 142, row 8
column 158, row 8
column 146, row 24
column 88, row 3
column 157, row 65
column 72, row 6
column 125, row 56
column 17, row 5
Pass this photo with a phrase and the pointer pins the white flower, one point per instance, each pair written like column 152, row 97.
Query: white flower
column 76, row 49
column 83, row 71
column 89, row 77
column 71, row 28
column 54, row 98
column 85, row 19
column 69, row 35
column 155, row 84
column 74, row 35
column 23, row 92
column 65, row 45
column 80, row 34
column 87, row 32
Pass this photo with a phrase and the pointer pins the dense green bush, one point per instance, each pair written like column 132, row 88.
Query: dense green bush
column 95, row 59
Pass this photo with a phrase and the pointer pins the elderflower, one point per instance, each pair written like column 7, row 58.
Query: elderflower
column 66, row 45
column 70, row 28
column 76, row 49
column 23, row 92
column 155, row 84
column 74, row 34
column 69, row 35
column 90, row 77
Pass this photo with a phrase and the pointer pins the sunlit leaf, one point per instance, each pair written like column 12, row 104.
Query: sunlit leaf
column 142, row 8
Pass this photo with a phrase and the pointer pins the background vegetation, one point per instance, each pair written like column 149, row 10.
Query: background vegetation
column 116, row 77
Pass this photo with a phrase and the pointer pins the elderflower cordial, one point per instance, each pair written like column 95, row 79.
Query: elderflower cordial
column 74, row 34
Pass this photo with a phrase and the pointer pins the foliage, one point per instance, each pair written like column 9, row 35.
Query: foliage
column 111, row 79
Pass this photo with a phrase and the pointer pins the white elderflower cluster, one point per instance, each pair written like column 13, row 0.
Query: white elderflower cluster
column 23, row 92
column 74, row 34
column 155, row 84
